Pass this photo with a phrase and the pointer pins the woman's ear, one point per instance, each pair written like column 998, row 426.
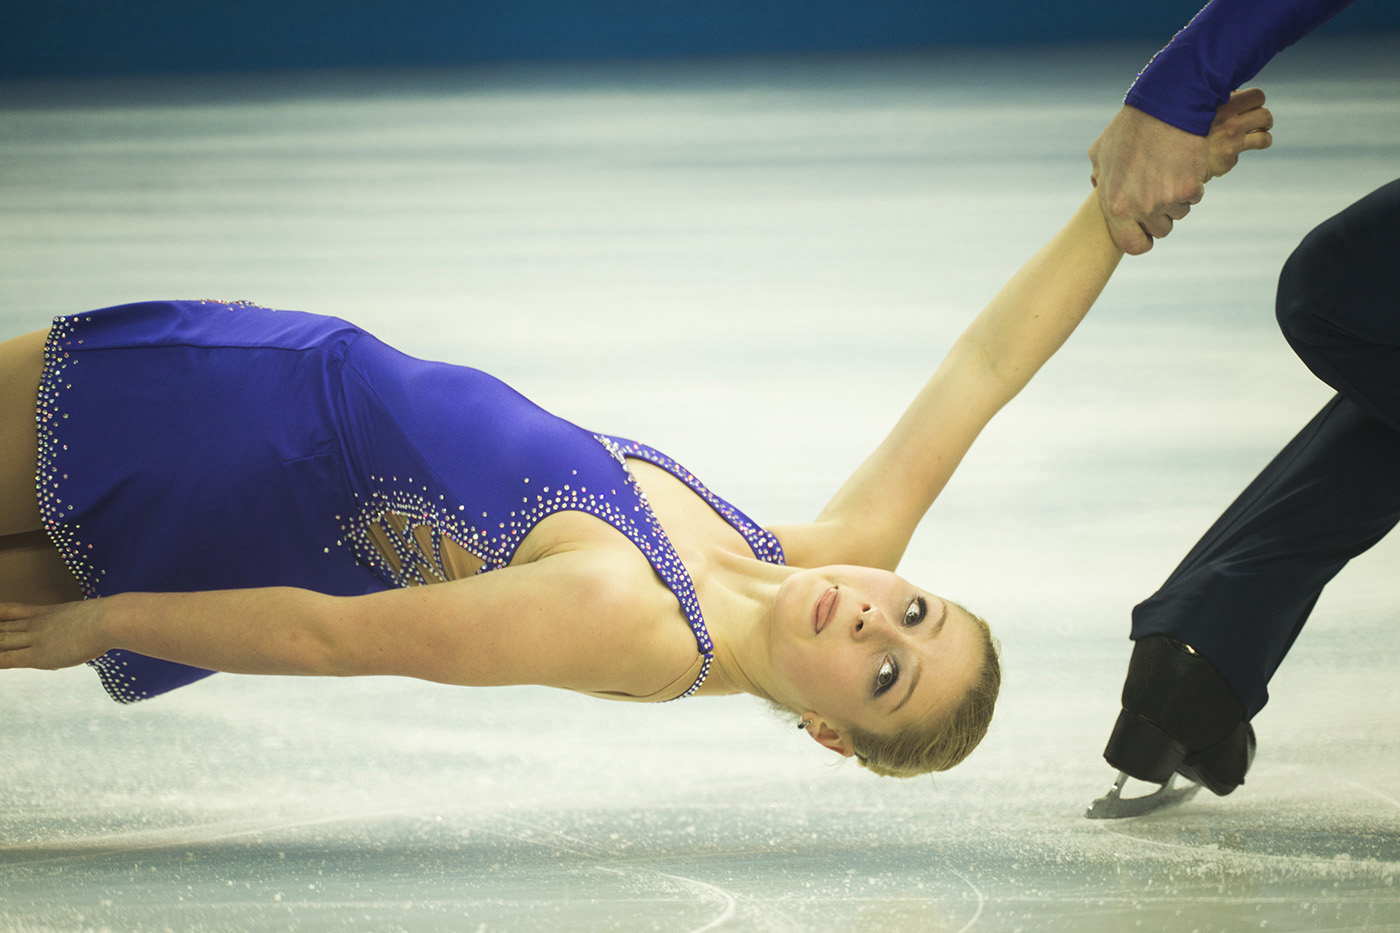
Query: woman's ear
column 825, row 734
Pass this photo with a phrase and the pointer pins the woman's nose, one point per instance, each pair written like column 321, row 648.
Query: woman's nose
column 868, row 620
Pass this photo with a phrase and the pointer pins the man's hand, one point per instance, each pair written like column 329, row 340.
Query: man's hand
column 1149, row 173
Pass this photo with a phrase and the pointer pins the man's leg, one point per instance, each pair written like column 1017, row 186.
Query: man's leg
column 1339, row 302
column 1209, row 640
column 1242, row 594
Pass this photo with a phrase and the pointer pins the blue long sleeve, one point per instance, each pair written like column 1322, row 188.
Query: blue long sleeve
column 1223, row 46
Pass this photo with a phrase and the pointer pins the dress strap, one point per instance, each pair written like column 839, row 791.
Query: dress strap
column 650, row 538
column 760, row 540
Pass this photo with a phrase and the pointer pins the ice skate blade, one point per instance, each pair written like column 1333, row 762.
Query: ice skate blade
column 1114, row 806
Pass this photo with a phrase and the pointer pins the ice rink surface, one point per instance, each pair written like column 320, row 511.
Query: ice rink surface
column 752, row 266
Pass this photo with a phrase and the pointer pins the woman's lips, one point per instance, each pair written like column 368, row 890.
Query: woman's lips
column 826, row 609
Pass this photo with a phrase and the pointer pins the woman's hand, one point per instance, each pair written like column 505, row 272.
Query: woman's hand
column 49, row 637
column 1241, row 123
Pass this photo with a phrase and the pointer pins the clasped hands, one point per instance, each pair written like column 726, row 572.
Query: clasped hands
column 1149, row 173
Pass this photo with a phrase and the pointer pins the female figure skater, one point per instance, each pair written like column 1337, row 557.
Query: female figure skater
column 228, row 488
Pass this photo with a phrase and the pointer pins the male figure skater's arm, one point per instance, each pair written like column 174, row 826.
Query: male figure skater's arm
column 1149, row 164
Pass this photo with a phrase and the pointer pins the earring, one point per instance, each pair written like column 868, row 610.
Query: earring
column 804, row 724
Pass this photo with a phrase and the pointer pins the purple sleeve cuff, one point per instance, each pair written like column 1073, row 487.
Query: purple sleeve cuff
column 1223, row 46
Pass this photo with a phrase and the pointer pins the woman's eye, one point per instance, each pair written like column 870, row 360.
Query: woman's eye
column 916, row 611
column 885, row 676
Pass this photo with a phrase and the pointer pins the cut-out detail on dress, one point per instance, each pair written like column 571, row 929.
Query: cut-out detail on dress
column 419, row 554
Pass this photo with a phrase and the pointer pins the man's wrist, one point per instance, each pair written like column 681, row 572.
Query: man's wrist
column 1184, row 118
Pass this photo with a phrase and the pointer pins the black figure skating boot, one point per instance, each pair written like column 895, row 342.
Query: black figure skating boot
column 1179, row 717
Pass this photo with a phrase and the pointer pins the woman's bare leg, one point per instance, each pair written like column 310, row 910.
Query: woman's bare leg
column 31, row 570
column 21, row 366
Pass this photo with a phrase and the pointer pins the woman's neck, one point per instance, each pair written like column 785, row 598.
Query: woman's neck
column 738, row 595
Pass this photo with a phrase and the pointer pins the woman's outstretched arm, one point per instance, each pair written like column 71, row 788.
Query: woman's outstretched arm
column 872, row 517
column 555, row 621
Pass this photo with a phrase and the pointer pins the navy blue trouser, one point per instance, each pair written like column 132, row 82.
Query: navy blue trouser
column 1244, row 591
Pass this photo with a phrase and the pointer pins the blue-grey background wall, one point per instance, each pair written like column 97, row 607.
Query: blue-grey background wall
column 100, row 37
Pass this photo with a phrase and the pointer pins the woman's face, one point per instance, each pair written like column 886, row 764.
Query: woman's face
column 859, row 647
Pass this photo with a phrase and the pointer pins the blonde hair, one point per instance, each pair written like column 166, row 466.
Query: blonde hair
column 941, row 744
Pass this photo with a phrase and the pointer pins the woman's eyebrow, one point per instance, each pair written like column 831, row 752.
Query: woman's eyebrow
column 938, row 623
column 913, row 682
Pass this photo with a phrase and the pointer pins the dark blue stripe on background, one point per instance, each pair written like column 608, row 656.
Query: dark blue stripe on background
column 93, row 37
